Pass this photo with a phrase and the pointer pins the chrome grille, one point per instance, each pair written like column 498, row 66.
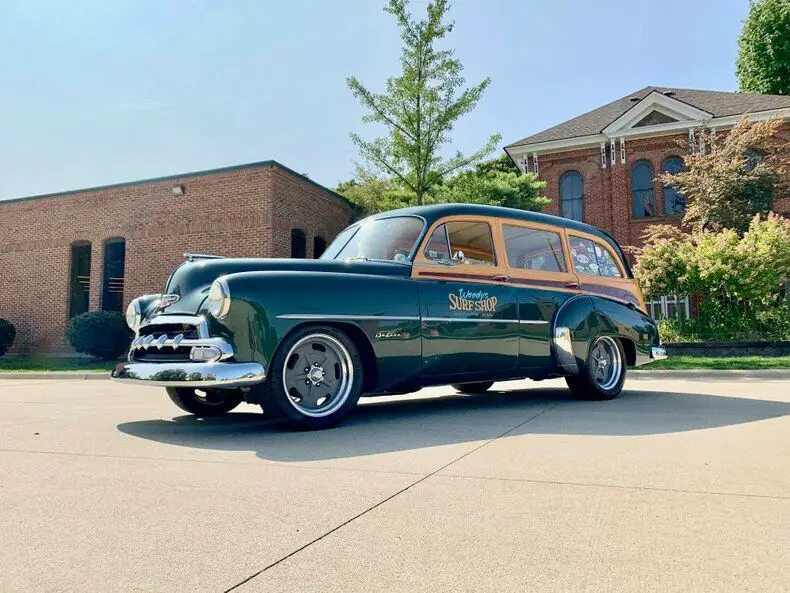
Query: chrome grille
column 171, row 338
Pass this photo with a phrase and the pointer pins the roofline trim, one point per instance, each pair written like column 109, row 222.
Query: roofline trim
column 270, row 164
column 678, row 108
column 577, row 142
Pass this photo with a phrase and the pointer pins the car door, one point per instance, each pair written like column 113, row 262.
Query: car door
column 538, row 266
column 469, row 310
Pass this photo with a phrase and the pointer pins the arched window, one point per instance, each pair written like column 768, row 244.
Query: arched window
column 643, row 196
column 298, row 243
column 80, row 282
column 319, row 246
column 674, row 201
column 112, row 285
column 572, row 195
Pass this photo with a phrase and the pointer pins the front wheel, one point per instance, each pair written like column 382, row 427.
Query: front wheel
column 473, row 388
column 315, row 379
column 205, row 402
column 603, row 373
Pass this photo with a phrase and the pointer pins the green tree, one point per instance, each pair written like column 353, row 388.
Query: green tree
column 374, row 193
column 726, row 186
column 763, row 64
column 420, row 106
column 493, row 186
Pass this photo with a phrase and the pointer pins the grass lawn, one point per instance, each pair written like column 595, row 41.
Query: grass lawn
column 43, row 364
column 720, row 363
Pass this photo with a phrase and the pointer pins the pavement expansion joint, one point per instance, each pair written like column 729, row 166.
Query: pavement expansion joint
column 390, row 497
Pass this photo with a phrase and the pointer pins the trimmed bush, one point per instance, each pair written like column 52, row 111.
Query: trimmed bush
column 103, row 334
column 7, row 335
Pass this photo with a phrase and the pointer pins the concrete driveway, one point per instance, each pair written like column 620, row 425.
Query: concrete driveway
column 681, row 484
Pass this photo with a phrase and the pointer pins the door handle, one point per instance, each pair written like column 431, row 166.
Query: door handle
column 501, row 278
column 573, row 285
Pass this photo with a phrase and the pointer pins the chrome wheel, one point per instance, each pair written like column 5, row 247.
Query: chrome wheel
column 606, row 363
column 318, row 375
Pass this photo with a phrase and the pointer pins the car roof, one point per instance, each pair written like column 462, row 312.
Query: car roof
column 436, row 211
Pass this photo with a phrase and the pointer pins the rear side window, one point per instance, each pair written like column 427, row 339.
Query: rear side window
column 469, row 243
column 592, row 258
column 533, row 249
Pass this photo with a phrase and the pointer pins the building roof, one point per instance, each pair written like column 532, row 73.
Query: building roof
column 717, row 103
column 259, row 164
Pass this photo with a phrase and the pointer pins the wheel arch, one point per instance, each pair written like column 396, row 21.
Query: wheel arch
column 359, row 339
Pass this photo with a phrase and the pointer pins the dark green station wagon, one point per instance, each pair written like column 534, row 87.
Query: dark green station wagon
column 452, row 294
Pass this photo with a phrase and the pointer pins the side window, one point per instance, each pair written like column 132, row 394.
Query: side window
column 583, row 256
column 533, row 249
column 592, row 258
column 607, row 265
column 473, row 239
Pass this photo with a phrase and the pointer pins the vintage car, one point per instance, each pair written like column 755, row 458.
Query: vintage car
column 447, row 294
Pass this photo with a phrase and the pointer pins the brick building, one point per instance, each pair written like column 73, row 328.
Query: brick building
column 600, row 167
column 93, row 249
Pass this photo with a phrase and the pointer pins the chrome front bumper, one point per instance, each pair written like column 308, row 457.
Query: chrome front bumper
column 190, row 374
column 658, row 353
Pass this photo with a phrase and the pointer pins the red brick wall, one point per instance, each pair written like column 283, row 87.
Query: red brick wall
column 240, row 212
column 607, row 192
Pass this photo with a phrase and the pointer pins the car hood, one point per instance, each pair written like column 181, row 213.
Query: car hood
column 191, row 280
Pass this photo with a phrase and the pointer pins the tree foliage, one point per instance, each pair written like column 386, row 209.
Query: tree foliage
column 738, row 178
column 742, row 280
column 763, row 64
column 497, row 182
column 750, row 267
column 419, row 106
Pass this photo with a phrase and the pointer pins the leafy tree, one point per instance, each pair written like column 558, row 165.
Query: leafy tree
column 374, row 193
column 494, row 187
column 495, row 183
column 763, row 64
column 420, row 106
column 737, row 179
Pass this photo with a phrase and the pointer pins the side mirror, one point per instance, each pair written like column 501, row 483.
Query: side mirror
column 458, row 256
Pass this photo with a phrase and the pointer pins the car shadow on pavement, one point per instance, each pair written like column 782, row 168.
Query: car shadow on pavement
column 389, row 425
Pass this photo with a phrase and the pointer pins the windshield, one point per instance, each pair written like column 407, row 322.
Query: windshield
column 389, row 239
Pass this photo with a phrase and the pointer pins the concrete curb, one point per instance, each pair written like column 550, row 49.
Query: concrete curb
column 710, row 374
column 60, row 376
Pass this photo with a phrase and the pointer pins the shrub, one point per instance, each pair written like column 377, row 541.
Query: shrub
column 7, row 335
column 103, row 334
column 740, row 281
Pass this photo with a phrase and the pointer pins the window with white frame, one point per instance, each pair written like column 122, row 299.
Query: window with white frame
column 668, row 306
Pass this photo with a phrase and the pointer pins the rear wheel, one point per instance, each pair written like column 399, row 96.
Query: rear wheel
column 603, row 374
column 205, row 402
column 315, row 379
column 479, row 387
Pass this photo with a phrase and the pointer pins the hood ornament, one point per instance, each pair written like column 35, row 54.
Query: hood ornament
column 168, row 299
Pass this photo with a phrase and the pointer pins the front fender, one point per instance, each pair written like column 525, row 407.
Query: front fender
column 266, row 306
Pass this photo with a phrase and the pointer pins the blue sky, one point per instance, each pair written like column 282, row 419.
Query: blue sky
column 95, row 92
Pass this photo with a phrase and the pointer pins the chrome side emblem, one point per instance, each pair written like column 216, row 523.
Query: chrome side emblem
column 168, row 299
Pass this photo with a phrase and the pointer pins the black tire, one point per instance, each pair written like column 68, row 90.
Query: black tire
column 597, row 381
column 315, row 379
column 479, row 387
column 205, row 402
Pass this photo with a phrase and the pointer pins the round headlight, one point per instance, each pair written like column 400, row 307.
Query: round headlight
column 133, row 315
column 219, row 299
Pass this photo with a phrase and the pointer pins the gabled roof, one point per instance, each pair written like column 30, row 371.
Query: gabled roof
column 717, row 103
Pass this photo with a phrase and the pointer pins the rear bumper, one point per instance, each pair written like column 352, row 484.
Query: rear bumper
column 190, row 374
column 658, row 353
